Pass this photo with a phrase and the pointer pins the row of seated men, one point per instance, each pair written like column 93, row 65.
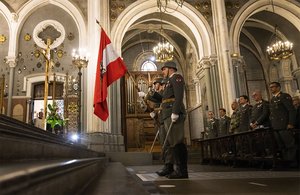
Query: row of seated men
column 281, row 114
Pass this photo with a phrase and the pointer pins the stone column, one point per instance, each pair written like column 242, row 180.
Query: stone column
column 196, row 82
column 101, row 136
column 296, row 74
column 11, row 61
column 205, row 65
column 285, row 75
column 215, row 83
column 94, row 127
column 227, row 90
column 238, row 67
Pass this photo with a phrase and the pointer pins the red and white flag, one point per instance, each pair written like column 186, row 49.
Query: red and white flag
column 110, row 67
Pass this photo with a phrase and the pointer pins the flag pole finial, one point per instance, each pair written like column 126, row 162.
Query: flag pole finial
column 97, row 21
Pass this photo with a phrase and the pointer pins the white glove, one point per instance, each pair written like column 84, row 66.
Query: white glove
column 152, row 114
column 174, row 117
column 141, row 94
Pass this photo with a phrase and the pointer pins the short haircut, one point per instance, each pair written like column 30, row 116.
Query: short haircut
column 245, row 97
column 223, row 109
column 275, row 83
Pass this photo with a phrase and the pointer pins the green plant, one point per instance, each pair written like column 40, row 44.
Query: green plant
column 53, row 117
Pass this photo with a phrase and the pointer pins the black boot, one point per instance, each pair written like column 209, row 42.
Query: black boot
column 167, row 170
column 181, row 157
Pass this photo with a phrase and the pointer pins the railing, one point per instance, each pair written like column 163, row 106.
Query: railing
column 252, row 146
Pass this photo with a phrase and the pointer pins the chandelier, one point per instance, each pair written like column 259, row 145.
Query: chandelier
column 163, row 4
column 278, row 49
column 163, row 52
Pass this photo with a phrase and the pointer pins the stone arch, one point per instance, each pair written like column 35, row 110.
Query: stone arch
column 187, row 14
column 285, row 9
column 33, row 5
column 6, row 13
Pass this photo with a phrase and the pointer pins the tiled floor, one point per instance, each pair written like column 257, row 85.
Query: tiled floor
column 203, row 179
column 206, row 179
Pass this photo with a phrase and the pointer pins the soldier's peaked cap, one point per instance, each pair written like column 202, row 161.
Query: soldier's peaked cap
column 170, row 64
column 157, row 80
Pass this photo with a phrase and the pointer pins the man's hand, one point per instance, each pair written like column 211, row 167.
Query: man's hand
column 141, row 94
column 290, row 126
column 174, row 117
column 152, row 114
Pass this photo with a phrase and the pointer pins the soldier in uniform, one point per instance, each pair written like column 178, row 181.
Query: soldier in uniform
column 245, row 113
column 212, row 125
column 296, row 103
column 260, row 119
column 173, row 113
column 235, row 118
column 224, row 123
column 260, row 112
column 154, row 96
column 283, row 117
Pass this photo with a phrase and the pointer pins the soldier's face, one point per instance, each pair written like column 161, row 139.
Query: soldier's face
column 243, row 100
column 274, row 88
column 256, row 96
column 156, row 86
column 234, row 105
column 296, row 102
column 222, row 113
column 165, row 72
column 211, row 115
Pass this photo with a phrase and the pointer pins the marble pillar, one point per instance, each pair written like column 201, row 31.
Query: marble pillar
column 101, row 135
column 11, row 61
column 227, row 89
column 285, row 75
column 296, row 74
column 238, row 67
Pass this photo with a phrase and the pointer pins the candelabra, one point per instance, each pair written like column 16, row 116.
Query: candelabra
column 79, row 60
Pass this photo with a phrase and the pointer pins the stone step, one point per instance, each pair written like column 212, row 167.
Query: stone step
column 49, row 177
column 20, row 141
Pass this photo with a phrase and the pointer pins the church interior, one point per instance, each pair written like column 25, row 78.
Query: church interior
column 224, row 49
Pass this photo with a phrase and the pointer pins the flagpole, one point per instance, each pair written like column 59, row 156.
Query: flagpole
column 101, row 64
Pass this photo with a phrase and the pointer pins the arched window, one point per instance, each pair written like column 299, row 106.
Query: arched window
column 148, row 66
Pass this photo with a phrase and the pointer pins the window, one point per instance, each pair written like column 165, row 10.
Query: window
column 148, row 66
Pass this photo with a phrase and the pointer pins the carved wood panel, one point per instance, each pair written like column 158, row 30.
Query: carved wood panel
column 139, row 126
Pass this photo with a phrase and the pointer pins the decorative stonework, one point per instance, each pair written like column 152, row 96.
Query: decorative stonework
column 116, row 7
column 49, row 29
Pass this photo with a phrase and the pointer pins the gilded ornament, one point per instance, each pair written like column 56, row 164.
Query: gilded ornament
column 113, row 7
column 70, row 36
column 197, row 5
column 121, row 6
column 36, row 53
column 2, row 38
column 60, row 53
column 27, row 37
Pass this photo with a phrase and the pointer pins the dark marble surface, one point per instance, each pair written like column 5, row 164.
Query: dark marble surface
column 204, row 179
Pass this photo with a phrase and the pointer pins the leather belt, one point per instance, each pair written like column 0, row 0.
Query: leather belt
column 157, row 109
column 168, row 100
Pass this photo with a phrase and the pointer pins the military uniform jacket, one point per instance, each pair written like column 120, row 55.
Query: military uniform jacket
column 245, row 113
column 153, row 99
column 282, row 111
column 212, row 128
column 260, row 113
column 174, row 89
column 297, row 125
column 234, row 122
column 224, row 124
